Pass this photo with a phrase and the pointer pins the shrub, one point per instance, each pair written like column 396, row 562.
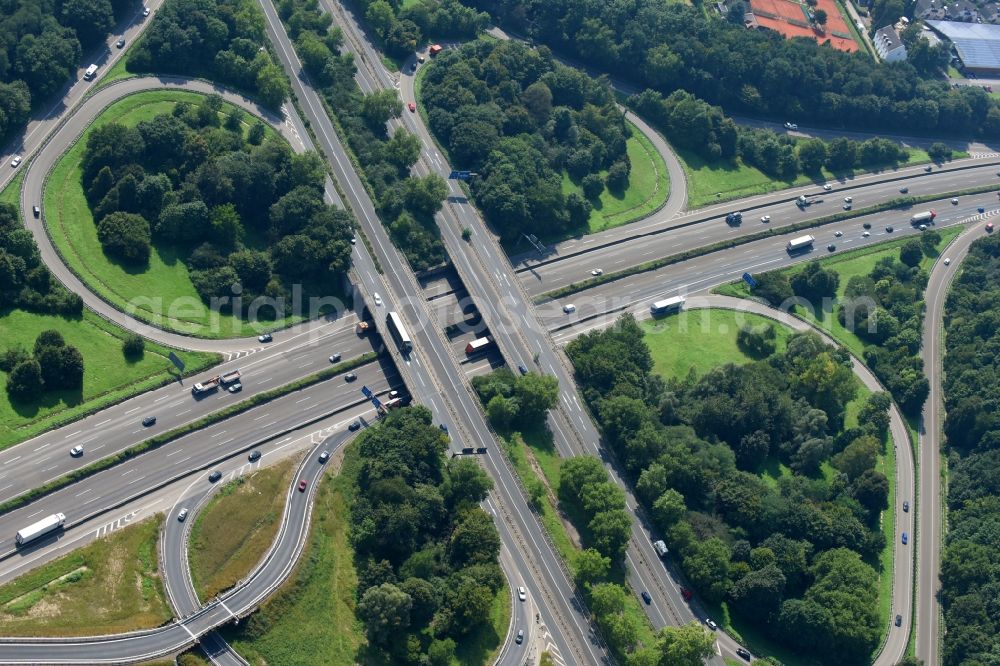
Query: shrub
column 133, row 346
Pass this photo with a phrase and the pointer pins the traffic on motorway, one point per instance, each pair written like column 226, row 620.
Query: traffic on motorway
column 417, row 361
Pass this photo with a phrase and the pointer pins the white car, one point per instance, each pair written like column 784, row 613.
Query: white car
column 522, row 594
column 866, row 234
column 145, row 11
column 378, row 299
column 838, row 234
column 827, row 187
column 597, row 271
column 791, row 126
column 710, row 623
column 181, row 515
column 16, row 161
column 568, row 308
column 848, row 199
column 765, row 219
column 947, row 261
column 76, row 451
column 954, row 201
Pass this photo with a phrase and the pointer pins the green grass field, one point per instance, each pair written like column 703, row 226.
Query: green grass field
column 12, row 193
column 702, row 339
column 237, row 527
column 162, row 293
column 648, row 187
column 713, row 182
column 112, row 585
column 847, row 264
column 107, row 379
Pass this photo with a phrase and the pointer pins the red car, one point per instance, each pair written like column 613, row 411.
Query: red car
column 412, row 107
column 686, row 593
column 989, row 227
column 302, row 486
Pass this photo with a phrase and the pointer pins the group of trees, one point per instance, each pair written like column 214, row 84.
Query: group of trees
column 792, row 555
column 25, row 282
column 970, row 568
column 406, row 204
column 222, row 40
column 52, row 366
column 403, row 26
column 426, row 553
column 42, row 42
column 665, row 46
column 519, row 119
column 884, row 309
column 516, row 400
column 191, row 181
column 696, row 125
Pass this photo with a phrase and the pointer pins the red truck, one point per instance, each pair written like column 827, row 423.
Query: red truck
column 435, row 49
column 478, row 345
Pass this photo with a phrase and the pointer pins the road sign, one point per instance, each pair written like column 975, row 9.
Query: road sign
column 749, row 280
column 378, row 404
column 367, row 392
column 459, row 175
column 175, row 359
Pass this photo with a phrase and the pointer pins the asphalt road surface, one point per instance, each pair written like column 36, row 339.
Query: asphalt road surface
column 33, row 463
column 201, row 450
column 434, row 378
column 268, row 576
column 44, row 121
column 929, row 535
column 576, row 263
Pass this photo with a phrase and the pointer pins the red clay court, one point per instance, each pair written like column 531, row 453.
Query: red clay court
column 790, row 19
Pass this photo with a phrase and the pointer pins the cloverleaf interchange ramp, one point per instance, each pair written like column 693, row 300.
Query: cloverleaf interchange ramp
column 412, row 367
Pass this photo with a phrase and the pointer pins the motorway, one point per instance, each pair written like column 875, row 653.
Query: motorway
column 112, row 430
column 267, row 577
column 66, row 133
column 698, row 274
column 432, row 379
column 574, row 263
column 198, row 451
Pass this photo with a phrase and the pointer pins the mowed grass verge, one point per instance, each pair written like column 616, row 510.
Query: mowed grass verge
column 311, row 617
column 648, row 187
column 232, row 533
column 847, row 265
column 722, row 180
column 108, row 378
column 110, row 586
column 162, row 293
column 702, row 339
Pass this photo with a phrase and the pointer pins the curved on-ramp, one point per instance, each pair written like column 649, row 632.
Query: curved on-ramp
column 69, row 130
column 180, row 634
column 929, row 536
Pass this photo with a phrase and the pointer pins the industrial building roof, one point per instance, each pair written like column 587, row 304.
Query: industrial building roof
column 978, row 44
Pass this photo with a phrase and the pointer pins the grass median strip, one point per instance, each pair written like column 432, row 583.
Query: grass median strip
column 176, row 433
column 897, row 203
column 235, row 529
